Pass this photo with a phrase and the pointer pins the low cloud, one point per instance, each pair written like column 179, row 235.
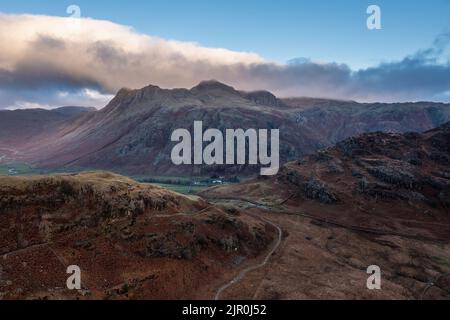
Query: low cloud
column 51, row 61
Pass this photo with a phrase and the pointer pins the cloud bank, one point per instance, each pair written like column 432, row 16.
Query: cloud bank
column 53, row 61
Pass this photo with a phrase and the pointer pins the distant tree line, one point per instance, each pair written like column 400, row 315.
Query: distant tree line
column 187, row 182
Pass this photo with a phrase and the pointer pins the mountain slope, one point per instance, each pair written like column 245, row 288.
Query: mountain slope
column 400, row 182
column 131, row 241
column 379, row 199
column 21, row 126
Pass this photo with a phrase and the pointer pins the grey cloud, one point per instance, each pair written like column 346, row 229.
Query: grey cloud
column 45, row 42
column 423, row 75
column 108, row 56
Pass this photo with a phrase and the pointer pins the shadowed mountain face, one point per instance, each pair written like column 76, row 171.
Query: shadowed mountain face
column 19, row 126
column 132, row 133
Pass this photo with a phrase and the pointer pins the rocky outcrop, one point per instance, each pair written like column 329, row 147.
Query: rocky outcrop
column 380, row 167
column 311, row 188
column 317, row 190
column 264, row 98
column 395, row 174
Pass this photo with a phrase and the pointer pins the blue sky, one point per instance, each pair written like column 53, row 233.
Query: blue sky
column 249, row 44
column 325, row 31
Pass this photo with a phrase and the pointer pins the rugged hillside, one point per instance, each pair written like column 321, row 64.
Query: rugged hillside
column 376, row 176
column 130, row 240
column 132, row 133
column 378, row 199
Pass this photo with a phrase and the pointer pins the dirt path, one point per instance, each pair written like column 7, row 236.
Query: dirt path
column 244, row 272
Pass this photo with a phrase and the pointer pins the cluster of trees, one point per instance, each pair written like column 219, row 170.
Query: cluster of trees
column 188, row 182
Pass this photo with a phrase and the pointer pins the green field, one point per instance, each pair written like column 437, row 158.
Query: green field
column 16, row 168
column 188, row 185
column 185, row 185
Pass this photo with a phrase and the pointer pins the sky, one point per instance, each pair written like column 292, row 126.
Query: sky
column 290, row 47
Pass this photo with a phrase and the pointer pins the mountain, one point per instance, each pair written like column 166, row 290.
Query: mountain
column 379, row 199
column 132, row 133
column 130, row 241
column 19, row 126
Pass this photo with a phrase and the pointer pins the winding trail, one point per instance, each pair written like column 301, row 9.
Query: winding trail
column 244, row 272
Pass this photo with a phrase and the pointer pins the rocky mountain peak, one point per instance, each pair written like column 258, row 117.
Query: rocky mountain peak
column 263, row 98
column 212, row 85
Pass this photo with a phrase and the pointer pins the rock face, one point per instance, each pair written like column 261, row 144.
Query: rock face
column 264, row 98
column 381, row 166
column 311, row 188
column 132, row 133
column 317, row 190
column 130, row 240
